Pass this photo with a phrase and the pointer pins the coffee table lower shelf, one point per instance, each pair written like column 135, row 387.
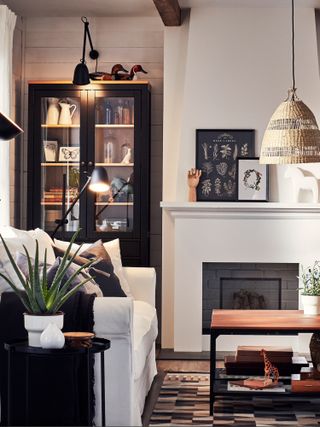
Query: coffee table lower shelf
column 220, row 387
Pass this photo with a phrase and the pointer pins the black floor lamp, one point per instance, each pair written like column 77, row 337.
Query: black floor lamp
column 98, row 182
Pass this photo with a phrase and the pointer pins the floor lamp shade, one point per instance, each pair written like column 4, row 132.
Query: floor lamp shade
column 292, row 135
column 8, row 129
column 99, row 182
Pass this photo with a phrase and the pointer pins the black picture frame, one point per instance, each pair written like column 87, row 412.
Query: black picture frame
column 256, row 197
column 217, row 151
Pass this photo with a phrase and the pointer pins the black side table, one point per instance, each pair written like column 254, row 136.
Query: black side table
column 99, row 345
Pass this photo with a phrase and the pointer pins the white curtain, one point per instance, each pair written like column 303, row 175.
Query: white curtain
column 7, row 24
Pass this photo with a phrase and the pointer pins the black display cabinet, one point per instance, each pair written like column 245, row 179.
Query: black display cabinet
column 72, row 129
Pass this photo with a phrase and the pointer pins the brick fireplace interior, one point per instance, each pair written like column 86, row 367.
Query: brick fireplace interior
column 259, row 286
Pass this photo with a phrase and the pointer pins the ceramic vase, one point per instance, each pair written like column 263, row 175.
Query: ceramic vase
column 311, row 304
column 315, row 350
column 35, row 325
column 53, row 111
column 52, row 337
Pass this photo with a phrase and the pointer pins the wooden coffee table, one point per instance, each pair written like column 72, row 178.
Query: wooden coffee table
column 255, row 322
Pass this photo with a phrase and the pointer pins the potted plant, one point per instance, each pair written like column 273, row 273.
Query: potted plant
column 311, row 289
column 43, row 300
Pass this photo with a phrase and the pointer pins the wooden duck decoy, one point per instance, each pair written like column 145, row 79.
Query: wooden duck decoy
column 114, row 75
column 133, row 73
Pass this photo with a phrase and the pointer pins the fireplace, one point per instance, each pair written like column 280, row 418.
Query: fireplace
column 248, row 286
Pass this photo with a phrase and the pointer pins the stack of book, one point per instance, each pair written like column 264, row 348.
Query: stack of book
column 248, row 361
column 55, row 195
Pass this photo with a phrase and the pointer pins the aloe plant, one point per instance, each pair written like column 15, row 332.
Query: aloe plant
column 40, row 297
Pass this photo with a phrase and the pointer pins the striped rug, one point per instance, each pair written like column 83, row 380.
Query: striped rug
column 184, row 400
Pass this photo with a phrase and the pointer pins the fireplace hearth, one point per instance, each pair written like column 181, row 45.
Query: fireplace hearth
column 248, row 286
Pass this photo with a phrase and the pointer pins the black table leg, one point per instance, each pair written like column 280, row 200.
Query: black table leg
column 27, row 390
column 103, row 392
column 213, row 361
column 9, row 386
column 88, row 356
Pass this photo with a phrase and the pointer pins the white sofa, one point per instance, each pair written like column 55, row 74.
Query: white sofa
column 130, row 324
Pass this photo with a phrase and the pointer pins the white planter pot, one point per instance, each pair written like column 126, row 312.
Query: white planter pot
column 35, row 325
column 311, row 304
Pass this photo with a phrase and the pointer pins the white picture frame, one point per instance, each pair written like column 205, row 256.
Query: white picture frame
column 253, row 180
column 50, row 150
column 69, row 154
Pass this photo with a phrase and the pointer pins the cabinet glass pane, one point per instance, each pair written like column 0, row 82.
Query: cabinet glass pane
column 114, row 150
column 60, row 161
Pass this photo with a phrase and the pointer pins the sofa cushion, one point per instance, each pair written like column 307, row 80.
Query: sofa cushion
column 113, row 249
column 145, row 331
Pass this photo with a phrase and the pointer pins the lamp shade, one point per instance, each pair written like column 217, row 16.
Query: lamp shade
column 81, row 75
column 8, row 129
column 292, row 135
column 99, row 182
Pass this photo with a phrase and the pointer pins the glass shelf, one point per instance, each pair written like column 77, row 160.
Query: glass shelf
column 117, row 126
column 59, row 126
column 114, row 204
column 126, row 165
column 61, row 164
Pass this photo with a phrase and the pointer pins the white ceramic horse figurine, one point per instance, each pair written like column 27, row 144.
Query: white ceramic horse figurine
column 301, row 181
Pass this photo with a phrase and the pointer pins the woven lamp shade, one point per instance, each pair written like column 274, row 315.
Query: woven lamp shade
column 292, row 135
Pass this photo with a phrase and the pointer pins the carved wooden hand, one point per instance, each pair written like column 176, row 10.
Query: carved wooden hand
column 193, row 182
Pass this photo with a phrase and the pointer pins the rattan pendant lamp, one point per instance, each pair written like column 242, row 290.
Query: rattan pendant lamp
column 292, row 135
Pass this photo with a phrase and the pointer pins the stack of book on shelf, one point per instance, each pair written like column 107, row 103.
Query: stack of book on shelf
column 248, row 361
column 55, row 195
column 308, row 381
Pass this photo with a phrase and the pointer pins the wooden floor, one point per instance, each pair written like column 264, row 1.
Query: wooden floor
column 183, row 365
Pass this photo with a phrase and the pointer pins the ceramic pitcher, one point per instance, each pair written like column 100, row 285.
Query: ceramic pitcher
column 53, row 111
column 66, row 113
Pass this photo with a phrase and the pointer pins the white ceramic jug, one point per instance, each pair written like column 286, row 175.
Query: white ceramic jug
column 53, row 111
column 52, row 337
column 66, row 113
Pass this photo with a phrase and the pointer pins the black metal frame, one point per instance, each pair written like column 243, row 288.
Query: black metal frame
column 100, row 345
column 216, row 332
column 135, row 244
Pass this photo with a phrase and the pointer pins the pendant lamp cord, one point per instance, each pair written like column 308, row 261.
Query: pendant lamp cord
column 293, row 50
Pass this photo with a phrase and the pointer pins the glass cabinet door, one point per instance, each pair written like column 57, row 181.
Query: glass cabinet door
column 60, row 161
column 114, row 150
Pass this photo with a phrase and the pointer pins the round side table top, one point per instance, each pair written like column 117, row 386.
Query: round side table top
column 21, row 346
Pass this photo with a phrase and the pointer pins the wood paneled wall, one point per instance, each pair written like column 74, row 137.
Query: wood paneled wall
column 53, row 47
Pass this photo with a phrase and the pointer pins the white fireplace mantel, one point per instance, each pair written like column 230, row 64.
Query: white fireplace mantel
column 245, row 232
column 242, row 210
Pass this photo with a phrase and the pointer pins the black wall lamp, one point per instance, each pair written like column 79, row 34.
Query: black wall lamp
column 81, row 72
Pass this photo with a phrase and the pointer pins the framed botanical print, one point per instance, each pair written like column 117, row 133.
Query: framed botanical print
column 217, row 152
column 253, row 180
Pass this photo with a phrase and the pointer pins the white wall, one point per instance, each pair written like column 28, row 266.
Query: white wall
column 228, row 68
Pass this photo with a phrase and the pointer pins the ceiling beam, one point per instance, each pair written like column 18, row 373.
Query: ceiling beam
column 170, row 12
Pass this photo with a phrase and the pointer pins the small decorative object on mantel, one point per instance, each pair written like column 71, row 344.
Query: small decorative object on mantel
column 253, row 180
column 217, row 152
column 310, row 294
column 79, row 339
column 302, row 181
column 193, row 182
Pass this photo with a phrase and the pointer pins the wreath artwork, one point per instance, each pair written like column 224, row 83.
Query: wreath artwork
column 252, row 179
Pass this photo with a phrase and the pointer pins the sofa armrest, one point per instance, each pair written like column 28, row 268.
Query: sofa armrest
column 113, row 319
column 113, row 316
column 142, row 282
